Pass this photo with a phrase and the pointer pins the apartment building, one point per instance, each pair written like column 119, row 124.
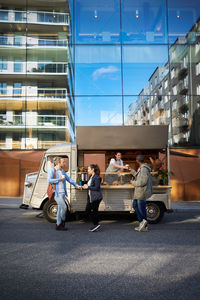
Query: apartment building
column 174, row 92
column 36, row 85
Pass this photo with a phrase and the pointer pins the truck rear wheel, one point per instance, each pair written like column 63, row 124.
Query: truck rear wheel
column 50, row 211
column 155, row 212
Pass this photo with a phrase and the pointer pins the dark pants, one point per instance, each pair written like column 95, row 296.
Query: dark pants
column 92, row 211
column 140, row 209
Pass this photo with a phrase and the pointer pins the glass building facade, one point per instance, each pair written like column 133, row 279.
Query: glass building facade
column 89, row 62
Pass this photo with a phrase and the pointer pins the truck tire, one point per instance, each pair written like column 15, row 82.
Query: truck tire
column 155, row 212
column 50, row 210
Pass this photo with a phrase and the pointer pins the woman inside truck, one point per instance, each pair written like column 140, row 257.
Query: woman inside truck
column 115, row 165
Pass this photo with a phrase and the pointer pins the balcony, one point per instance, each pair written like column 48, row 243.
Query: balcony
column 33, row 121
column 183, row 89
column 50, row 93
column 34, row 17
column 30, row 42
column 181, row 122
column 182, row 72
column 15, row 67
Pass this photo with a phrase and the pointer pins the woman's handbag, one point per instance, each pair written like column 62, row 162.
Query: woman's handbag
column 51, row 189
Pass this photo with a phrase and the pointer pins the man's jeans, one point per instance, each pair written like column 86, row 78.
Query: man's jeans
column 140, row 209
column 62, row 208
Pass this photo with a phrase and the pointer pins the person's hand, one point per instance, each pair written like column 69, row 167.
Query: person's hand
column 79, row 187
column 85, row 187
column 62, row 177
column 126, row 167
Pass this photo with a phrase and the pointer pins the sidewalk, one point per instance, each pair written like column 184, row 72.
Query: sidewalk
column 190, row 206
column 10, row 202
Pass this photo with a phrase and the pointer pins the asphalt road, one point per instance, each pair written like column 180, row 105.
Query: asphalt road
column 37, row 262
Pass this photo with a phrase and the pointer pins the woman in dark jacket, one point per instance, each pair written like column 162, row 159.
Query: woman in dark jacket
column 94, row 195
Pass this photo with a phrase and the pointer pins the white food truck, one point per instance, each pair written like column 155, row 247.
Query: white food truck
column 97, row 144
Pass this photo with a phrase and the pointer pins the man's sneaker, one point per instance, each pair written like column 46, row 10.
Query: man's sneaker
column 60, row 227
column 95, row 228
column 63, row 224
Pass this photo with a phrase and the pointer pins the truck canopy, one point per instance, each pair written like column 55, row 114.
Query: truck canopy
column 122, row 137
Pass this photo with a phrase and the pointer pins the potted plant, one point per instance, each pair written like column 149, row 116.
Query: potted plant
column 163, row 175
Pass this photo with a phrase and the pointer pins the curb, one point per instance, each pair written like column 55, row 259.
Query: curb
column 186, row 210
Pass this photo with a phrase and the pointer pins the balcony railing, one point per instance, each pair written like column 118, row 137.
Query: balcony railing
column 48, row 121
column 22, row 41
column 34, row 17
column 52, row 93
column 33, row 67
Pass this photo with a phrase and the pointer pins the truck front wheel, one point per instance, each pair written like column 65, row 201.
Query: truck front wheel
column 50, row 210
column 155, row 212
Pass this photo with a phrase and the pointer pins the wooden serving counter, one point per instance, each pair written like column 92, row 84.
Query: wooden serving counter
column 130, row 186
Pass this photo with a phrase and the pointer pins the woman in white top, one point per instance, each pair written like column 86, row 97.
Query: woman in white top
column 115, row 165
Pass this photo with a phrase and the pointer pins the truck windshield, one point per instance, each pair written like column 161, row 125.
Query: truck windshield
column 49, row 163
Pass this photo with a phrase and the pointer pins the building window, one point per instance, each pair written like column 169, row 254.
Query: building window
column 186, row 81
column 3, row 64
column 3, row 40
column 17, row 40
column 166, row 84
column 174, row 105
column 186, row 99
column 18, row 66
column 174, row 90
column 198, row 68
column 17, row 88
column 198, row 89
column 185, row 61
column 173, row 73
column 197, row 48
column 3, row 88
column 168, row 113
column 165, row 99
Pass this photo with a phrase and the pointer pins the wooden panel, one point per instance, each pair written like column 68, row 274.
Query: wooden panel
column 14, row 166
column 9, row 177
column 95, row 158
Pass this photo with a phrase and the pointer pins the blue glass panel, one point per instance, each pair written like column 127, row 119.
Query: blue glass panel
column 98, row 70
column 144, row 21
column 97, row 21
column 139, row 64
column 96, row 111
column 182, row 16
column 3, row 15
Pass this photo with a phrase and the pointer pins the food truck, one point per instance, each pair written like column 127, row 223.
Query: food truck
column 97, row 144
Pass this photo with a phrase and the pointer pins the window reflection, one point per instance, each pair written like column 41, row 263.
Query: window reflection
column 144, row 21
column 141, row 64
column 98, row 111
column 182, row 16
column 97, row 21
column 98, row 70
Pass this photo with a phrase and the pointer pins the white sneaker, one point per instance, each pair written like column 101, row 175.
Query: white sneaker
column 142, row 225
column 132, row 211
column 140, row 230
column 95, row 228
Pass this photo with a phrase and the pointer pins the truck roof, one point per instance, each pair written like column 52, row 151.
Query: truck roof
column 62, row 148
column 122, row 137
